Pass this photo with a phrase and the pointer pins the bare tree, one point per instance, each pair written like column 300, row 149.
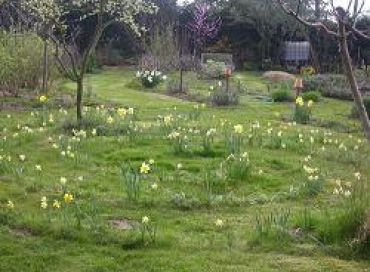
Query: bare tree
column 344, row 29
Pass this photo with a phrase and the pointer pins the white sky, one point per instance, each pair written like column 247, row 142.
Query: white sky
column 343, row 3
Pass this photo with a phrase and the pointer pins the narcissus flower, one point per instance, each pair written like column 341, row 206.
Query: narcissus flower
column 145, row 220
column 219, row 223
column 144, row 168
column 56, row 204
column 238, row 129
column 110, row 120
column 43, row 99
column 22, row 157
column 68, row 198
column 44, row 202
column 10, row 205
column 299, row 101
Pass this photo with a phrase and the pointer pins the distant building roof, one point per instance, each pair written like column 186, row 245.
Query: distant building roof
column 297, row 51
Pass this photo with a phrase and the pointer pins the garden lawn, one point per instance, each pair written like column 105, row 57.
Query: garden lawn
column 274, row 218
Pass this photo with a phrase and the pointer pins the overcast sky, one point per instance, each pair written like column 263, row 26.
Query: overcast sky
column 343, row 3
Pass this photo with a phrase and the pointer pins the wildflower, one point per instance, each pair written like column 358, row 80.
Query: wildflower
column 130, row 111
column 10, row 205
column 167, row 119
column 154, row 186
column 22, row 157
column 63, row 180
column 68, row 198
column 299, row 101
column 44, row 202
column 145, row 220
column 238, row 129
column 310, row 103
column 219, row 223
column 43, row 99
column 358, row 175
column 179, row 166
column 110, row 120
column 56, row 204
column 38, row 167
column 151, row 161
column 144, row 168
column 347, row 193
column 122, row 112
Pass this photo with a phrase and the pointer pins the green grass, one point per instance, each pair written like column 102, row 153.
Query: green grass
column 187, row 239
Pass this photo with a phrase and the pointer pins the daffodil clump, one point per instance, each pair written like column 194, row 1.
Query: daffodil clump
column 208, row 139
column 148, row 230
column 151, row 79
column 303, row 110
column 180, row 141
column 235, row 139
column 236, row 167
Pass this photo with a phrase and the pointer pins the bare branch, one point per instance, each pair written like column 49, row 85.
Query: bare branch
column 317, row 25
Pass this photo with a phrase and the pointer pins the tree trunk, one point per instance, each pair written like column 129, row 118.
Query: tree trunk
column 80, row 87
column 348, row 69
column 45, row 68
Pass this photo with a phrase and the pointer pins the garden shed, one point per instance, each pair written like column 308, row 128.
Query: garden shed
column 296, row 53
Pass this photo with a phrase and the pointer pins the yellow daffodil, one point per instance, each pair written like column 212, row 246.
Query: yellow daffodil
column 299, row 101
column 56, row 204
column 122, row 112
column 144, row 168
column 219, row 223
column 44, row 202
column 68, row 198
column 110, row 120
column 43, row 99
column 145, row 220
column 238, row 129
column 10, row 205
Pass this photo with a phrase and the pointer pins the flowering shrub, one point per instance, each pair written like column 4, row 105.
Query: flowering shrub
column 302, row 113
column 151, row 79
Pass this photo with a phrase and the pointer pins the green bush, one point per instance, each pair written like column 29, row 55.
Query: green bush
column 282, row 96
column 329, row 85
column 312, row 95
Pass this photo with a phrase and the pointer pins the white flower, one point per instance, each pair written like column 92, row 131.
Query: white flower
column 44, row 203
column 154, row 186
column 22, row 157
column 179, row 166
column 38, row 167
column 164, row 77
column 347, row 193
column 10, row 205
column 238, row 129
column 145, row 220
column 358, row 175
column 63, row 180
column 219, row 223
